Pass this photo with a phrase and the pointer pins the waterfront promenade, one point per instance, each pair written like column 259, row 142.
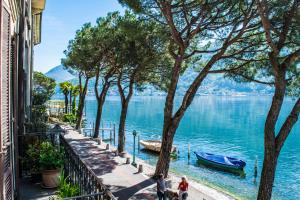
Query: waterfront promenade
column 123, row 179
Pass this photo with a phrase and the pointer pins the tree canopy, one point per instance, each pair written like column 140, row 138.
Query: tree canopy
column 43, row 88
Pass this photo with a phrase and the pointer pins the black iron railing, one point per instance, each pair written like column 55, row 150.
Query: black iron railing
column 87, row 197
column 80, row 174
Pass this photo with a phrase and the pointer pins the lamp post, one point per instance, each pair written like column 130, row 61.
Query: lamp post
column 133, row 159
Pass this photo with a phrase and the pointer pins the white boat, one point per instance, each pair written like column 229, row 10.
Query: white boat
column 154, row 145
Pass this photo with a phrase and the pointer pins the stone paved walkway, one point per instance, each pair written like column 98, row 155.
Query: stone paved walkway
column 30, row 191
column 122, row 179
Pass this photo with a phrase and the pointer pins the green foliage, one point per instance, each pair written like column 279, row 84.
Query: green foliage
column 65, row 87
column 136, row 5
column 80, row 59
column 255, row 64
column 136, row 48
column 43, row 88
column 39, row 113
column 39, row 118
column 66, row 189
column 70, row 118
column 79, row 54
column 75, row 93
column 143, row 54
column 51, row 157
column 32, row 158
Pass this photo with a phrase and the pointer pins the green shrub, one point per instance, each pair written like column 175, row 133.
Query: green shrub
column 70, row 118
column 66, row 189
column 32, row 158
column 51, row 157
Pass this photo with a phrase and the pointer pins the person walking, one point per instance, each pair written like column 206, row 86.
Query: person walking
column 183, row 188
column 161, row 188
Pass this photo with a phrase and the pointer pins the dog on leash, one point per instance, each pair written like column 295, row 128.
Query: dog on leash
column 173, row 195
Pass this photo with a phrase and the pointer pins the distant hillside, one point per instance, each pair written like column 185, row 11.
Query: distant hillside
column 212, row 85
column 60, row 74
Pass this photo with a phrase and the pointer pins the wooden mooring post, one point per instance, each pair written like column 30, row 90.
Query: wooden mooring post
column 255, row 171
column 110, row 132
column 102, row 130
column 93, row 130
column 139, row 147
column 114, row 130
column 189, row 151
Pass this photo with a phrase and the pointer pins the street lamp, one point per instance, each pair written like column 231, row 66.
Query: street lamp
column 133, row 159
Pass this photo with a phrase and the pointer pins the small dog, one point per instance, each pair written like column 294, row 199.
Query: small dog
column 173, row 195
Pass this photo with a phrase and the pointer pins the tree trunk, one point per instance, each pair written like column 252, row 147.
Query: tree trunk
column 121, row 133
column 163, row 163
column 81, row 104
column 270, row 154
column 74, row 105
column 125, row 103
column 100, row 101
column 80, row 111
column 169, row 127
column 70, row 107
column 66, row 103
column 268, row 173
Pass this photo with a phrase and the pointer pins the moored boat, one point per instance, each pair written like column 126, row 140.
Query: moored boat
column 154, row 145
column 220, row 162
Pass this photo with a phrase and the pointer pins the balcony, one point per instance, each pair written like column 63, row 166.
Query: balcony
column 77, row 172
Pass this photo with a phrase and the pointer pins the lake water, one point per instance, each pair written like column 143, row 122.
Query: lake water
column 222, row 125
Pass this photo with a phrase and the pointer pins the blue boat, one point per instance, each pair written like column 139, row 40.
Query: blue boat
column 220, row 162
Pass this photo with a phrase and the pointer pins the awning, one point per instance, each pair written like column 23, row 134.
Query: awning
column 37, row 7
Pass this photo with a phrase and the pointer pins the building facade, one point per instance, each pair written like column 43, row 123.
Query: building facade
column 20, row 30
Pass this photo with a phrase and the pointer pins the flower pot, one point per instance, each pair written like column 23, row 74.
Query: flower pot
column 50, row 178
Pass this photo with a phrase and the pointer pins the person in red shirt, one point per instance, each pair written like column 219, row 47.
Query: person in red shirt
column 183, row 188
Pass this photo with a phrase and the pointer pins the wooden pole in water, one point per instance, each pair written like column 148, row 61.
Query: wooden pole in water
column 189, row 151
column 110, row 133
column 139, row 142
column 114, row 130
column 102, row 130
column 255, row 170
column 93, row 131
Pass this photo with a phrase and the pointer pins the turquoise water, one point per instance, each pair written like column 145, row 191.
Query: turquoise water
column 225, row 125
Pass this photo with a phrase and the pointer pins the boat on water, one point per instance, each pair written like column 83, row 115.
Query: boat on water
column 220, row 162
column 154, row 145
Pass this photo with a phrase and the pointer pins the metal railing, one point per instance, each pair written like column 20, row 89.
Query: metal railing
column 90, row 186
column 86, row 197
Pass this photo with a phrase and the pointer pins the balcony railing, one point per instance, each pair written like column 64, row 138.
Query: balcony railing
column 80, row 174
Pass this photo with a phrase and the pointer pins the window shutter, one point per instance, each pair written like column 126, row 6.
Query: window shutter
column 5, row 107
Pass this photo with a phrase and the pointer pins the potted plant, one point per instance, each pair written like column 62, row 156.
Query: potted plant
column 66, row 189
column 32, row 163
column 51, row 160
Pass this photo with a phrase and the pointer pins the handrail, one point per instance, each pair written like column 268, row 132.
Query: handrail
column 42, row 133
column 81, row 174
column 99, row 194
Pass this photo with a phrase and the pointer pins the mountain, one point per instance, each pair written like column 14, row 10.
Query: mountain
column 212, row 85
column 59, row 74
column 216, row 84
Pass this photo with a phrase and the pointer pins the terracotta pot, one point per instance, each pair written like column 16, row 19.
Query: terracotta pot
column 50, row 178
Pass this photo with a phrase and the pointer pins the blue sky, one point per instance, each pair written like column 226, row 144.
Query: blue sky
column 61, row 19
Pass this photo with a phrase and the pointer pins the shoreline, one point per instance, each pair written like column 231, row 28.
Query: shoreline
column 209, row 191
column 196, row 191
